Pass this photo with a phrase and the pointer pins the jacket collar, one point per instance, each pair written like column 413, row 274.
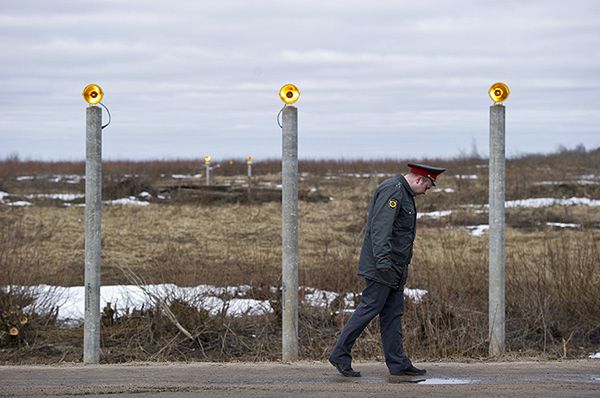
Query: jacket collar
column 402, row 181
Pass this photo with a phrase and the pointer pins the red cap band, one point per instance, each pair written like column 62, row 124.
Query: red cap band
column 423, row 172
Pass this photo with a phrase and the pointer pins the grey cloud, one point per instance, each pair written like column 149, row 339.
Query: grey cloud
column 377, row 76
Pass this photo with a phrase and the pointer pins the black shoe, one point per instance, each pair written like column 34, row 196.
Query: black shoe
column 345, row 370
column 410, row 371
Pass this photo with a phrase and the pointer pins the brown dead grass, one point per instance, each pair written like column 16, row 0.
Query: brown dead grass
column 552, row 274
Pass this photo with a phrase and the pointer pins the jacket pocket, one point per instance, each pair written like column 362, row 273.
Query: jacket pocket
column 405, row 221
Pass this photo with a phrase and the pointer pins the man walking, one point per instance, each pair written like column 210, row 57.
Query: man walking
column 384, row 259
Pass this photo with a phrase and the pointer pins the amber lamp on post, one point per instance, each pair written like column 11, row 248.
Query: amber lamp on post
column 289, row 94
column 207, row 159
column 499, row 92
column 93, row 94
column 249, row 164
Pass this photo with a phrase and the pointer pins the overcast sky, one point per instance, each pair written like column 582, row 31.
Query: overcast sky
column 184, row 79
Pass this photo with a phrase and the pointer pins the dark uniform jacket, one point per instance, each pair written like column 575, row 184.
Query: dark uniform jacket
column 389, row 233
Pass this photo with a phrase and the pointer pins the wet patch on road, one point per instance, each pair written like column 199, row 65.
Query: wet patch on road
column 402, row 379
column 430, row 380
column 449, row 381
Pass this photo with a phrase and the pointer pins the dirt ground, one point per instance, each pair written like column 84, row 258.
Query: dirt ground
column 579, row 378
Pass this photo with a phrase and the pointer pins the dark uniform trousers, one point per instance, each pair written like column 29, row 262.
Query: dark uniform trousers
column 388, row 303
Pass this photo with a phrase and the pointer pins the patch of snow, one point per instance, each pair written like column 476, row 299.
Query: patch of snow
column 71, row 300
column 367, row 175
column 595, row 355
column 435, row 214
column 68, row 178
column 478, row 230
column 230, row 301
column 447, row 190
column 19, row 203
column 59, row 196
column 563, row 225
column 324, row 298
column 548, row 183
column 415, row 295
column 182, row 176
column 25, row 178
column 313, row 189
column 588, row 182
column 319, row 298
column 466, row 176
column 3, row 195
column 127, row 201
column 144, row 195
column 546, row 202
column 577, row 182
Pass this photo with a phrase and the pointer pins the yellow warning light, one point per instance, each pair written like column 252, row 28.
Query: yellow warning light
column 289, row 94
column 207, row 159
column 92, row 94
column 249, row 159
column 499, row 92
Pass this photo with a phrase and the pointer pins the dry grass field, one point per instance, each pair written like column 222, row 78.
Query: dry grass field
column 229, row 235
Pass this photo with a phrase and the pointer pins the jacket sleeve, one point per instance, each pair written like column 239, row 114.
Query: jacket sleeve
column 385, row 207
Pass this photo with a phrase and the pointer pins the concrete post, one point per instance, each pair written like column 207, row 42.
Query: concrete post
column 496, row 309
column 289, row 210
column 93, row 234
column 207, row 168
column 249, row 170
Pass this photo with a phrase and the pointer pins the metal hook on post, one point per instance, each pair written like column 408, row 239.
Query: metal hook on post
column 109, row 117
column 279, row 114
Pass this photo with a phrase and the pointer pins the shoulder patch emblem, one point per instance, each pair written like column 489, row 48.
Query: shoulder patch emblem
column 393, row 203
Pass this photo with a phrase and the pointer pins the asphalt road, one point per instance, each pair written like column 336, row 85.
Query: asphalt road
column 303, row 379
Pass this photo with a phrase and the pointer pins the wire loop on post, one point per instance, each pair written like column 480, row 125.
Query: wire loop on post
column 109, row 117
column 278, row 122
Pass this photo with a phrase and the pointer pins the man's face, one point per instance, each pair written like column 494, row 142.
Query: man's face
column 421, row 185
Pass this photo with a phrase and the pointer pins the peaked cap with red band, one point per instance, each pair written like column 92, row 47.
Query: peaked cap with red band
column 427, row 171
